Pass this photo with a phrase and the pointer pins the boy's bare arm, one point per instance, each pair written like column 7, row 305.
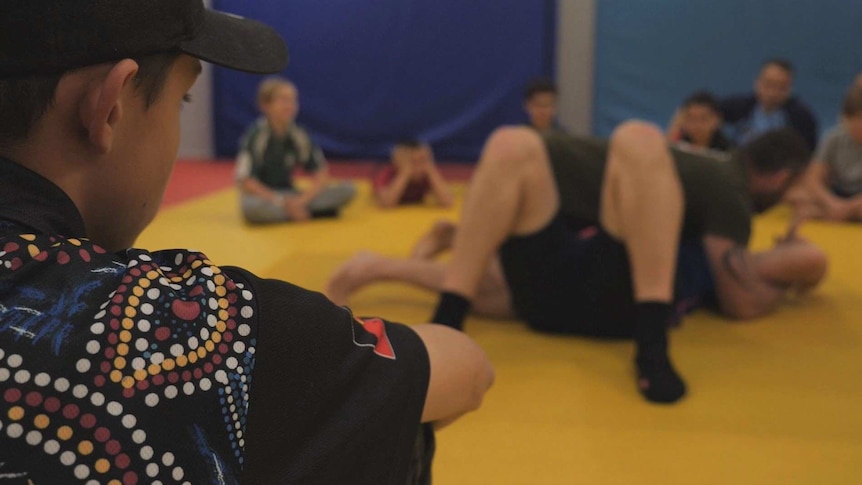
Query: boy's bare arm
column 461, row 373
column 389, row 195
column 439, row 187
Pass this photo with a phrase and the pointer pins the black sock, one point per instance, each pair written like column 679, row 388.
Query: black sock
column 324, row 214
column 657, row 379
column 451, row 310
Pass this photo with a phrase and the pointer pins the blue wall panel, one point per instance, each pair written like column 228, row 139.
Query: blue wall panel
column 370, row 73
column 651, row 54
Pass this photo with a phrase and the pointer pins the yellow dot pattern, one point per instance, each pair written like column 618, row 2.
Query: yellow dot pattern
column 122, row 373
column 64, row 433
column 16, row 413
column 102, row 465
column 85, row 447
column 41, row 421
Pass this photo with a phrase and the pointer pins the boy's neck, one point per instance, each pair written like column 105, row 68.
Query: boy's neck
column 701, row 141
column 280, row 128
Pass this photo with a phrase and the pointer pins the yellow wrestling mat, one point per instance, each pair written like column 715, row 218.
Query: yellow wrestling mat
column 775, row 401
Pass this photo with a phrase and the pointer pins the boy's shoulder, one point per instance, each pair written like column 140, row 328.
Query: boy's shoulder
column 144, row 344
column 298, row 132
column 259, row 126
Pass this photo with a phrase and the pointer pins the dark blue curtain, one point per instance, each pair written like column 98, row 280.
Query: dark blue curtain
column 651, row 54
column 371, row 73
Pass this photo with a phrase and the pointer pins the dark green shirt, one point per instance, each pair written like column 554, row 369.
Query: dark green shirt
column 717, row 201
column 272, row 159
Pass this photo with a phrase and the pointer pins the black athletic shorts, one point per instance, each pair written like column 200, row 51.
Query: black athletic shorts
column 575, row 278
column 843, row 193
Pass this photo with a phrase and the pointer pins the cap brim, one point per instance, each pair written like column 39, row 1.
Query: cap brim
column 238, row 43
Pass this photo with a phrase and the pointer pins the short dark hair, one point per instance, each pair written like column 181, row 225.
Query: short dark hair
column 24, row 100
column 539, row 86
column 701, row 98
column 777, row 150
column 779, row 62
column 412, row 143
column 852, row 105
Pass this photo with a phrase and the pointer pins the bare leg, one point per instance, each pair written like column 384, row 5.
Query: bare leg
column 642, row 206
column 436, row 241
column 492, row 299
column 512, row 192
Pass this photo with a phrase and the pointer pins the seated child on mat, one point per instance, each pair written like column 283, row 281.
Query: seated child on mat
column 272, row 148
column 410, row 176
column 832, row 186
column 697, row 124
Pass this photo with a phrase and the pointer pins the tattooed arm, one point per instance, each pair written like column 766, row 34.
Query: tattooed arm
column 750, row 285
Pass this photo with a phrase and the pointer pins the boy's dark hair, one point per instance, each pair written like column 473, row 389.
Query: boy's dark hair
column 24, row 100
column 539, row 86
column 411, row 143
column 702, row 98
column 777, row 150
column 852, row 105
column 779, row 62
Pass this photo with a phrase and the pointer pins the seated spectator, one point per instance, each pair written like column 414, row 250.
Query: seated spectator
column 698, row 124
column 832, row 187
column 270, row 152
column 410, row 177
column 540, row 103
column 770, row 107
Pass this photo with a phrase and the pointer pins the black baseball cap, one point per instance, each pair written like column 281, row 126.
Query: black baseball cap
column 53, row 36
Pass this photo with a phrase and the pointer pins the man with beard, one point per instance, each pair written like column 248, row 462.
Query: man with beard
column 772, row 105
column 612, row 238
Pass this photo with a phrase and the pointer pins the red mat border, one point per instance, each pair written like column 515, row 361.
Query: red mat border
column 194, row 178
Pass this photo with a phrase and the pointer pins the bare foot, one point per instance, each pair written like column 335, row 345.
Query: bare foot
column 435, row 241
column 352, row 275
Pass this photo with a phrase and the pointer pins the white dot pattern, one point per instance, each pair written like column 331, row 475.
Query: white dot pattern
column 125, row 343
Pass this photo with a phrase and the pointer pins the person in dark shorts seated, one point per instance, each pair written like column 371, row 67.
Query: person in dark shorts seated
column 607, row 239
column 122, row 365
column 411, row 177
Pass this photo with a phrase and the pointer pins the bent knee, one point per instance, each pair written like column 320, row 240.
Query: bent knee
column 637, row 131
column 639, row 144
column 638, row 135
column 513, row 144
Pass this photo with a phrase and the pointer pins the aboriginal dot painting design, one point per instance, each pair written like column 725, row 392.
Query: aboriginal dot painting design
column 173, row 327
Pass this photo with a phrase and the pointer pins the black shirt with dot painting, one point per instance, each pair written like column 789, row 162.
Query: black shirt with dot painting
column 161, row 367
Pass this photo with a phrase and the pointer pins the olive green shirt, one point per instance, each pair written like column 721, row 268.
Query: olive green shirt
column 717, row 200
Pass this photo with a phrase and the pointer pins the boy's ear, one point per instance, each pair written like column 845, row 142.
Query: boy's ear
column 102, row 107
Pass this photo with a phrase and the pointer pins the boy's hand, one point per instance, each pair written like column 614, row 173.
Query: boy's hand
column 296, row 209
column 792, row 232
column 841, row 210
column 404, row 165
column 425, row 164
column 401, row 160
